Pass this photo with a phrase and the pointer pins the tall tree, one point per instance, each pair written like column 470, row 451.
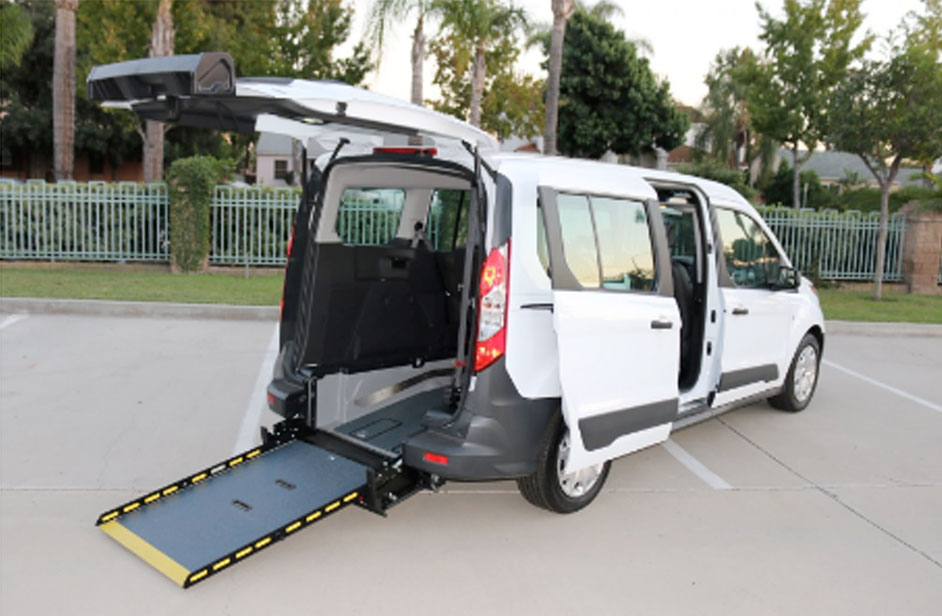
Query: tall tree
column 613, row 100
column 290, row 38
column 16, row 34
column 63, row 90
column 383, row 13
column 161, row 45
column 480, row 23
column 727, row 133
column 806, row 55
column 891, row 110
column 562, row 10
column 512, row 102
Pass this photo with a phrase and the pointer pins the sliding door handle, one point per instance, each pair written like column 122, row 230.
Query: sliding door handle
column 740, row 311
column 661, row 324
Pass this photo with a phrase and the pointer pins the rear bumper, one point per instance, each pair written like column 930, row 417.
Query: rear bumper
column 496, row 436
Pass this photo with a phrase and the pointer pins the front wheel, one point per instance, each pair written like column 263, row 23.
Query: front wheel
column 802, row 377
column 552, row 487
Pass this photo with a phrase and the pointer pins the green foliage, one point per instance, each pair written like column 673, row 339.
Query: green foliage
column 719, row 172
column 190, row 183
column 890, row 110
column 779, row 189
column 294, row 38
column 16, row 34
column 609, row 97
column 485, row 32
column 727, row 123
column 513, row 101
column 807, row 53
column 931, row 201
column 27, row 100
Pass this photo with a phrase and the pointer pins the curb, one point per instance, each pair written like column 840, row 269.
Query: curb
column 863, row 328
column 107, row 308
column 104, row 308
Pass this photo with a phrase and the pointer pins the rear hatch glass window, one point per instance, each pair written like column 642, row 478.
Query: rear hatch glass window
column 369, row 216
column 447, row 222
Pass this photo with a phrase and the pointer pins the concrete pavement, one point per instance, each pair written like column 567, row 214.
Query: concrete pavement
column 831, row 511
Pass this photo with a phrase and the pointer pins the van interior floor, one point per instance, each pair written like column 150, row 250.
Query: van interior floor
column 391, row 426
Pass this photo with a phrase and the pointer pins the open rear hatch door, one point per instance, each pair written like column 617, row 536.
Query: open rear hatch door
column 201, row 90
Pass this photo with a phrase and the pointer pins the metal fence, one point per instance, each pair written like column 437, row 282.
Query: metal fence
column 251, row 225
column 128, row 221
column 836, row 245
column 97, row 221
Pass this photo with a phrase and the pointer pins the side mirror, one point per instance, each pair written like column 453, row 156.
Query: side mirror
column 788, row 278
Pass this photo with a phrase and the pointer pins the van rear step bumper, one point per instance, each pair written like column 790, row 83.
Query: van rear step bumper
column 205, row 523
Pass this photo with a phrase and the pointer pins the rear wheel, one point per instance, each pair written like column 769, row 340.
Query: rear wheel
column 552, row 487
column 802, row 377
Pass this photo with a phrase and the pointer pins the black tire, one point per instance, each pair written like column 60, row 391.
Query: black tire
column 794, row 398
column 543, row 488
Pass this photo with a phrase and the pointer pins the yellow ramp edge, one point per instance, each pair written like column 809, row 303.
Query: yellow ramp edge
column 151, row 555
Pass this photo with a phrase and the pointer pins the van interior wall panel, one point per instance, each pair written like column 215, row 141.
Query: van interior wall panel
column 343, row 397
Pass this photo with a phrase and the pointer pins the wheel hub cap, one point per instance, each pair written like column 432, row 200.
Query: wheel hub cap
column 806, row 371
column 577, row 484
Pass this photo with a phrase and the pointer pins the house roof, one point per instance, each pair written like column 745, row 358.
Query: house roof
column 834, row 165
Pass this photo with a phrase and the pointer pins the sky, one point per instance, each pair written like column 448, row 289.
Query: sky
column 685, row 34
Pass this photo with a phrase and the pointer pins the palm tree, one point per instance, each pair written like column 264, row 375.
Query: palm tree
column 161, row 44
column 479, row 22
column 63, row 90
column 562, row 9
column 383, row 13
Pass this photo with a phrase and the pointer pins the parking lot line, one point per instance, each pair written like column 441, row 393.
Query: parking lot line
column 10, row 320
column 890, row 388
column 696, row 466
column 248, row 431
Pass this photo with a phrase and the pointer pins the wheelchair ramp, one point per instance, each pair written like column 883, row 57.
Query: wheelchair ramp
column 221, row 515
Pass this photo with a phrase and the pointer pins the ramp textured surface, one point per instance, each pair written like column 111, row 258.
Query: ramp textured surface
column 218, row 516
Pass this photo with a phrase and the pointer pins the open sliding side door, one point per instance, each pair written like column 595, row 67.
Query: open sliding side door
column 617, row 324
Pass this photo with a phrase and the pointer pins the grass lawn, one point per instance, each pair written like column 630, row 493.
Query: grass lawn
column 265, row 290
column 118, row 284
column 896, row 307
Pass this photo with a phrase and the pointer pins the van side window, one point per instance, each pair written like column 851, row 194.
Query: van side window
column 751, row 258
column 447, row 223
column 575, row 221
column 369, row 216
column 624, row 244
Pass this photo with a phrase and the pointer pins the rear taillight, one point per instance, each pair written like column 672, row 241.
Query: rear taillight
column 290, row 243
column 492, row 308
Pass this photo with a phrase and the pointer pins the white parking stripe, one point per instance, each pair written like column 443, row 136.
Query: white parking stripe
column 10, row 320
column 890, row 388
column 248, row 432
column 696, row 466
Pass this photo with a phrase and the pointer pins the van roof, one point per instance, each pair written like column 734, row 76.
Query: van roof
column 595, row 173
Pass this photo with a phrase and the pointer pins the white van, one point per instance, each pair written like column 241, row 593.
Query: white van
column 603, row 304
column 463, row 314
